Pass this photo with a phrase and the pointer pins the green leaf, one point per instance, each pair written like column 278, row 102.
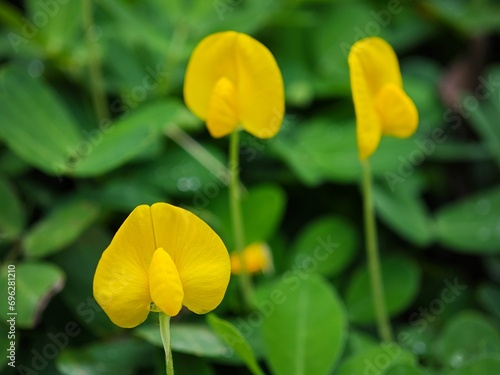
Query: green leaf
column 79, row 263
column 489, row 297
column 179, row 173
column 190, row 338
column 413, row 222
column 12, row 219
column 471, row 225
column 230, row 334
column 122, row 357
column 467, row 336
column 188, row 365
column 35, row 284
column 125, row 194
column 59, row 228
column 262, row 208
column 487, row 365
column 403, row 369
column 377, row 360
column 325, row 149
column 34, row 123
column 329, row 242
column 110, row 146
column 401, row 280
column 306, row 332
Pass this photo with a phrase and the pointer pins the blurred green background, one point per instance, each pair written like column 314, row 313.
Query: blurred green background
column 92, row 123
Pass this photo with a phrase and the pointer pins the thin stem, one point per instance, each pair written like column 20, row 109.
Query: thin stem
column 384, row 327
column 237, row 217
column 96, row 83
column 165, row 338
column 198, row 152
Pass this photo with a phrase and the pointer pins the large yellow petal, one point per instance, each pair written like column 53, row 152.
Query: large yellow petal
column 121, row 281
column 253, row 71
column 222, row 116
column 261, row 94
column 397, row 111
column 368, row 127
column 378, row 63
column 198, row 252
column 212, row 59
column 165, row 284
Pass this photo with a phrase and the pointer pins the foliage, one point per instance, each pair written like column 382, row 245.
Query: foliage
column 71, row 172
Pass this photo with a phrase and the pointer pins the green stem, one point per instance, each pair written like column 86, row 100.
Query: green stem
column 165, row 338
column 384, row 327
column 237, row 217
column 96, row 83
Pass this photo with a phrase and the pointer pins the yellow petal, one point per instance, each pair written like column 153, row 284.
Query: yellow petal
column 121, row 281
column 222, row 116
column 368, row 127
column 165, row 284
column 261, row 94
column 378, row 63
column 256, row 256
column 211, row 60
column 397, row 111
column 373, row 64
column 198, row 252
column 253, row 71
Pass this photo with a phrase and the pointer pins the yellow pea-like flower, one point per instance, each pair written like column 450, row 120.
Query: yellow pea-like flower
column 232, row 81
column 382, row 107
column 164, row 255
column 257, row 257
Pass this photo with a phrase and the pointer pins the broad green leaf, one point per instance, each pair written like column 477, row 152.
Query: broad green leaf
column 325, row 149
column 115, row 357
column 124, row 194
column 108, row 147
column 306, row 332
column 34, row 123
column 232, row 337
column 63, row 25
column 79, row 263
column 185, row 364
column 484, row 117
column 487, row 365
column 401, row 280
column 262, row 208
column 359, row 342
column 467, row 336
column 189, row 338
column 488, row 296
column 405, row 213
column 471, row 225
column 377, row 360
column 12, row 219
column 403, row 369
column 59, row 228
column 35, row 285
column 179, row 173
column 419, row 336
column 328, row 245
column 469, row 17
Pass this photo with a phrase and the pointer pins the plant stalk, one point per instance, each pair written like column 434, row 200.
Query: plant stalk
column 383, row 324
column 165, row 338
column 237, row 217
column 98, row 94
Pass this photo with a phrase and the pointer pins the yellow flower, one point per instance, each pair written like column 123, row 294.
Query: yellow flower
column 163, row 255
column 233, row 80
column 381, row 105
column 257, row 258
